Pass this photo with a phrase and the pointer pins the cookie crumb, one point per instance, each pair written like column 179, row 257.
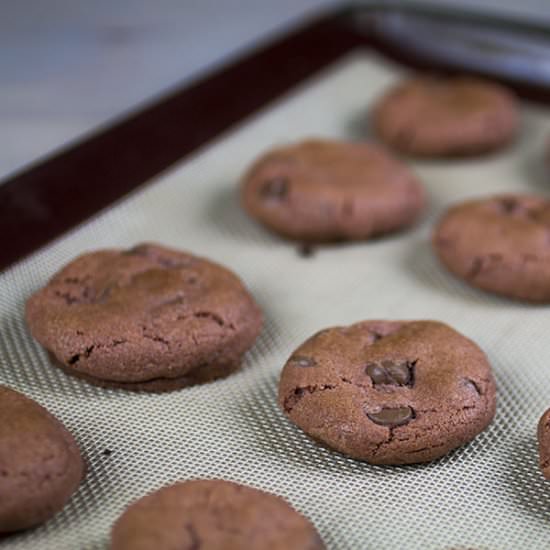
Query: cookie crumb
column 306, row 250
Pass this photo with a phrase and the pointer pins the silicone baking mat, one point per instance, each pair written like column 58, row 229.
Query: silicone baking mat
column 487, row 495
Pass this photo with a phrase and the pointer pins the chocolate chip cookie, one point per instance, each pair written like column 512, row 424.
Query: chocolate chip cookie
column 211, row 515
column 543, row 435
column 500, row 244
column 389, row 392
column 40, row 463
column 322, row 191
column 446, row 117
column 148, row 318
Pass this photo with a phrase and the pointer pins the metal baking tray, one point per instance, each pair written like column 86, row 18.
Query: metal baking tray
column 487, row 495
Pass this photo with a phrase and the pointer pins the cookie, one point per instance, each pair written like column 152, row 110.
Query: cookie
column 500, row 244
column 210, row 515
column 446, row 117
column 543, row 436
column 322, row 191
column 40, row 463
column 389, row 392
column 148, row 318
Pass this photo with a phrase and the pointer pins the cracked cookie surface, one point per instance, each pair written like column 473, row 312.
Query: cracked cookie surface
column 389, row 392
column 445, row 117
column 500, row 244
column 322, row 191
column 148, row 318
column 40, row 463
column 210, row 515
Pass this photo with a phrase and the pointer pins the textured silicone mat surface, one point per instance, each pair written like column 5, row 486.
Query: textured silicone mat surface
column 487, row 495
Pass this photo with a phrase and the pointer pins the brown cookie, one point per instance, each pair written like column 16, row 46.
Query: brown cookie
column 321, row 191
column 149, row 318
column 500, row 244
column 211, row 515
column 543, row 436
column 40, row 463
column 446, row 117
column 389, row 392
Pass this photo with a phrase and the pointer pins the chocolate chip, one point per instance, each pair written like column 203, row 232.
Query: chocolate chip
column 509, row 205
column 392, row 416
column 375, row 335
column 303, row 361
column 391, row 373
column 275, row 188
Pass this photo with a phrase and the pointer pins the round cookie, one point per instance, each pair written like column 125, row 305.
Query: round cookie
column 499, row 244
column 210, row 515
column 389, row 392
column 543, row 436
column 148, row 318
column 322, row 191
column 40, row 463
column 446, row 117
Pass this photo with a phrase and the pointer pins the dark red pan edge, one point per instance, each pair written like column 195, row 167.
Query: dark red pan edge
column 50, row 198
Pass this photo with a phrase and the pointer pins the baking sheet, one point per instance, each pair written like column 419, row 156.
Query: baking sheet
column 487, row 495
